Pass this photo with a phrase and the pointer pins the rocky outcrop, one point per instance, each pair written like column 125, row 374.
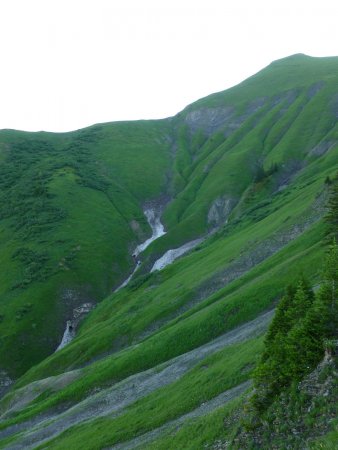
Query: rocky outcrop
column 315, row 384
column 220, row 210
column 209, row 120
column 260, row 251
column 225, row 118
column 286, row 173
column 322, row 148
column 334, row 106
column 315, row 88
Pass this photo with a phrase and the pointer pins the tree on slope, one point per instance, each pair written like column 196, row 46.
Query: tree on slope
column 332, row 214
column 276, row 368
column 295, row 340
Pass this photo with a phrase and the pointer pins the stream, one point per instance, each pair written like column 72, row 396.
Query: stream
column 170, row 256
column 71, row 325
column 154, row 219
column 153, row 216
column 68, row 335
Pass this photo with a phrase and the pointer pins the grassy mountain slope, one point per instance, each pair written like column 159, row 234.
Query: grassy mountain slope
column 277, row 117
column 71, row 208
column 250, row 164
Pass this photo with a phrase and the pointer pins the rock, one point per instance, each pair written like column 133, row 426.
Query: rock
column 220, row 210
column 209, row 119
column 314, row 89
column 322, row 148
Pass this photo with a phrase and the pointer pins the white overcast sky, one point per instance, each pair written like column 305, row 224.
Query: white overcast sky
column 66, row 64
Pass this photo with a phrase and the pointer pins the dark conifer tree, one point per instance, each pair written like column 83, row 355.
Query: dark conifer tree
column 280, row 322
column 294, row 344
column 332, row 214
column 327, row 303
column 301, row 303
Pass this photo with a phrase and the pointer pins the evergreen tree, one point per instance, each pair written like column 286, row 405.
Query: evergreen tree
column 277, row 367
column 326, row 303
column 301, row 302
column 305, row 342
column 294, row 344
column 280, row 322
column 332, row 214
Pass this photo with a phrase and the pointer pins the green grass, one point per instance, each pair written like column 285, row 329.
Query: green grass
column 197, row 433
column 122, row 318
column 218, row 315
column 71, row 213
column 327, row 442
column 80, row 192
column 69, row 200
column 214, row 375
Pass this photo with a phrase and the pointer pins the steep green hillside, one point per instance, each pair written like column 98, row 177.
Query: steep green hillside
column 284, row 117
column 71, row 210
column 249, row 170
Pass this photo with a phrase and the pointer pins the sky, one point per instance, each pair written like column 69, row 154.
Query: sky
column 67, row 64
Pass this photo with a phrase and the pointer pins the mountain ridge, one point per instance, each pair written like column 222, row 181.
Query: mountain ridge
column 246, row 172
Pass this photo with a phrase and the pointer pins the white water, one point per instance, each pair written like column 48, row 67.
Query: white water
column 154, row 220
column 173, row 254
column 129, row 278
column 71, row 325
column 157, row 227
column 68, row 335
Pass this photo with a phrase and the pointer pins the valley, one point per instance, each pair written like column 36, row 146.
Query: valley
column 164, row 248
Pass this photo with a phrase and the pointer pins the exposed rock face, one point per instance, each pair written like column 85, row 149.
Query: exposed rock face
column 25, row 395
column 209, row 119
column 226, row 118
column 315, row 88
column 74, row 298
column 322, row 148
column 317, row 385
column 257, row 252
column 287, row 173
column 334, row 106
column 220, row 210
